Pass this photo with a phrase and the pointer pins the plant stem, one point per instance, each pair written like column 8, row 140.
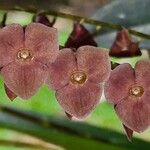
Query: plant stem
column 84, row 19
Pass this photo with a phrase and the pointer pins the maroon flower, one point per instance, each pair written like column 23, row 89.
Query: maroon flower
column 24, row 55
column 80, row 36
column 43, row 19
column 123, row 45
column 77, row 78
column 129, row 90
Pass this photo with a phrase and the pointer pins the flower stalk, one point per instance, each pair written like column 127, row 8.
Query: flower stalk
column 87, row 20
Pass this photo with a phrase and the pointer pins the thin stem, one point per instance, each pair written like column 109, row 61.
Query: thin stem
column 85, row 20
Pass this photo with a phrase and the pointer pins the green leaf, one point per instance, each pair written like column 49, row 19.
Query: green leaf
column 69, row 135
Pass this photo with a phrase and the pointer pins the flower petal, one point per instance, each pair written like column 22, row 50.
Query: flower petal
column 61, row 69
column 24, row 80
column 134, row 113
column 79, row 101
column 95, row 61
column 11, row 40
column 142, row 73
column 117, row 86
column 42, row 40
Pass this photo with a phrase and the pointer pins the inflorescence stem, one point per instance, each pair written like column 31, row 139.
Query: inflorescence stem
column 84, row 19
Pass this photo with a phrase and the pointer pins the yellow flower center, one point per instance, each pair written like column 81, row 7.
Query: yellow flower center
column 78, row 77
column 136, row 91
column 24, row 54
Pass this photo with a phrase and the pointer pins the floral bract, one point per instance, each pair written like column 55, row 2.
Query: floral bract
column 77, row 78
column 9, row 93
column 128, row 89
column 24, row 55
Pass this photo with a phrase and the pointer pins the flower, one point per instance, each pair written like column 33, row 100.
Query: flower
column 80, row 36
column 24, row 55
column 123, row 45
column 77, row 78
column 43, row 19
column 129, row 90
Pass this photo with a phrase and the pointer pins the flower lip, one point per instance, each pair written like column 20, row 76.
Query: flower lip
column 78, row 77
column 136, row 91
column 24, row 54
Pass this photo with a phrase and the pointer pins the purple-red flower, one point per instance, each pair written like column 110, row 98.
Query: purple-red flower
column 80, row 36
column 129, row 90
column 43, row 19
column 24, row 55
column 124, row 46
column 77, row 78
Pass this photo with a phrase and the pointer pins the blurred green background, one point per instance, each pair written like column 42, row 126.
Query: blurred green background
column 44, row 101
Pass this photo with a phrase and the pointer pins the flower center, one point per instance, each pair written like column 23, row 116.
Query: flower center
column 136, row 91
column 24, row 54
column 78, row 77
